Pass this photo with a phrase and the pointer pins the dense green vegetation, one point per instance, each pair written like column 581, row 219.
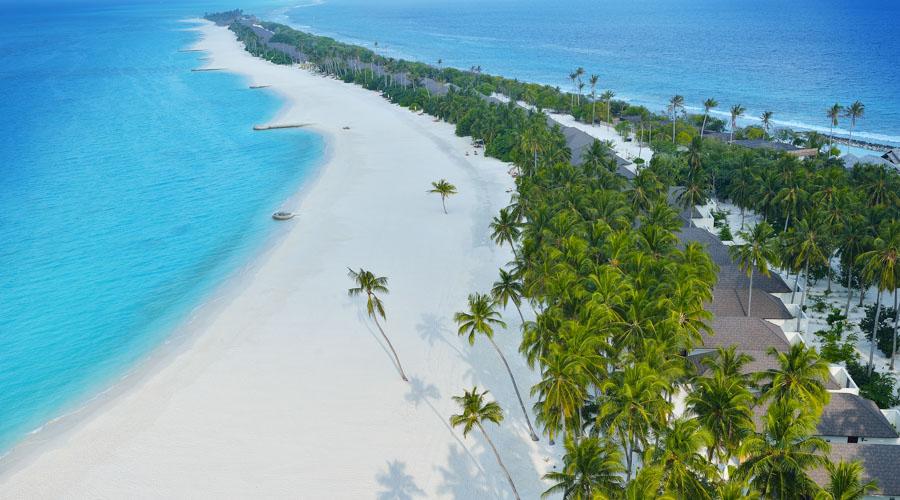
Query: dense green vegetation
column 618, row 304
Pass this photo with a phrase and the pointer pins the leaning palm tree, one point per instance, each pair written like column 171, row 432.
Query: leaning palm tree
column 708, row 105
column 592, row 469
column 855, row 111
column 758, row 252
column 607, row 96
column 880, row 267
column 676, row 102
column 766, row 119
column 480, row 319
column 443, row 188
column 593, row 81
column 505, row 228
column 834, row 114
column 367, row 283
column 476, row 411
column 736, row 112
column 845, row 482
column 777, row 460
column 800, row 376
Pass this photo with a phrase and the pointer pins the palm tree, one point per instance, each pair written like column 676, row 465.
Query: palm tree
column 808, row 242
column 758, row 252
column 591, row 470
column 533, row 140
column 573, row 76
column 509, row 289
column 834, row 114
column 777, row 459
column 443, row 188
column 729, row 362
column 366, row 282
column 676, row 102
column 845, row 482
column 607, row 96
column 578, row 72
column 480, row 320
column 594, row 79
column 476, row 411
column 880, row 267
column 800, row 376
column 766, row 119
column 855, row 111
column 632, row 405
column 562, row 390
column 736, row 112
column 722, row 404
column 853, row 239
column 708, row 105
column 686, row 472
column 505, row 228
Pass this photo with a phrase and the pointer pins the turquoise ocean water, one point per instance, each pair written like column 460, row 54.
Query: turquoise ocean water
column 130, row 187
column 795, row 58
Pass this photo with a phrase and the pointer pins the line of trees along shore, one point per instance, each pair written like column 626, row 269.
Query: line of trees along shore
column 616, row 302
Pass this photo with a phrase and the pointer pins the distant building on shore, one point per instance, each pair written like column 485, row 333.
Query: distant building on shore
column 893, row 156
column 763, row 144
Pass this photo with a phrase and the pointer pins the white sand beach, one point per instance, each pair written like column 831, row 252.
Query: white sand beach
column 285, row 390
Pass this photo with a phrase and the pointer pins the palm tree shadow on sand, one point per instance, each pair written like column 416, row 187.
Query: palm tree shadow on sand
column 397, row 484
column 423, row 392
column 460, row 479
column 367, row 321
column 432, row 329
column 483, row 365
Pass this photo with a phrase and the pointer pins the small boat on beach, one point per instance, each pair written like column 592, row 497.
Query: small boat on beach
column 283, row 215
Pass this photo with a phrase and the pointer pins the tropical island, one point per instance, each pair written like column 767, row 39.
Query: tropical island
column 644, row 306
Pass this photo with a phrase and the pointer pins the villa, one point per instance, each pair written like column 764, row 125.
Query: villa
column 880, row 463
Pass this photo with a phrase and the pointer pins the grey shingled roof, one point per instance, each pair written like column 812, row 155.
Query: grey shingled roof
column 730, row 275
column 892, row 156
column 851, row 415
column 733, row 302
column 881, row 462
column 579, row 141
column 746, row 334
column 761, row 144
column 721, row 136
column 760, row 363
column 845, row 415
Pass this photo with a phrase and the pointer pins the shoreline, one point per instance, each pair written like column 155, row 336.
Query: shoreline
column 181, row 337
column 875, row 142
column 98, row 439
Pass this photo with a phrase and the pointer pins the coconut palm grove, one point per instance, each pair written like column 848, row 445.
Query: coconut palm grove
column 614, row 296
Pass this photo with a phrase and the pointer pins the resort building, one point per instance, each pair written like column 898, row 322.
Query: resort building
column 881, row 463
column 850, row 418
column 763, row 144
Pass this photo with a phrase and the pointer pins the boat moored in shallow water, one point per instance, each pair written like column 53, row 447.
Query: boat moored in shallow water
column 283, row 215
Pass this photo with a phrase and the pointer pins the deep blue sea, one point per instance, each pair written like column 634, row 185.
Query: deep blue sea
column 793, row 57
column 130, row 187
